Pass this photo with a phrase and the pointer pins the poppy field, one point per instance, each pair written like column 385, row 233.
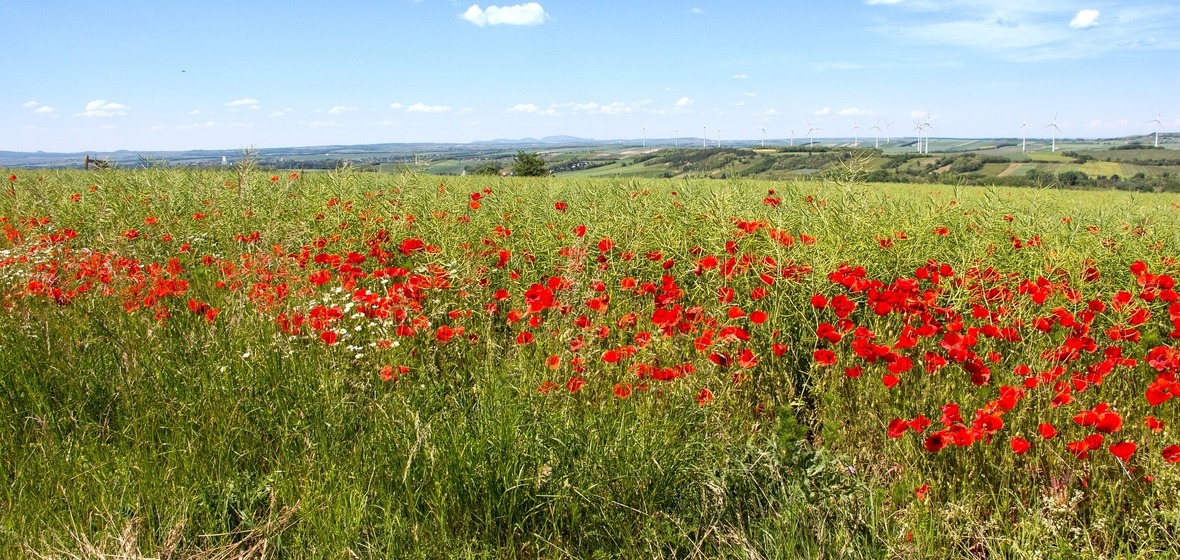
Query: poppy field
column 238, row 363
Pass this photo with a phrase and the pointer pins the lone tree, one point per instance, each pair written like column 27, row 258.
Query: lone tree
column 528, row 165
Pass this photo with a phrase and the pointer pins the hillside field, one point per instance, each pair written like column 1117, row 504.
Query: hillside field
column 245, row 363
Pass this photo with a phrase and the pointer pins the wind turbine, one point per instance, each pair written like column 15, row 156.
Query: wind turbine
column 718, row 137
column 855, row 136
column 1055, row 128
column 918, row 127
column 792, row 137
column 810, row 131
column 763, row 137
column 887, row 124
column 1023, row 135
column 676, row 138
column 1158, row 124
column 704, row 137
column 929, row 127
column 645, row 137
column 877, row 136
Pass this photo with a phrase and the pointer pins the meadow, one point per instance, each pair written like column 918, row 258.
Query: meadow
column 242, row 363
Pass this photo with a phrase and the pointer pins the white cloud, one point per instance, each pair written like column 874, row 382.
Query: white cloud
column 823, row 112
column 740, row 76
column 322, row 124
column 854, row 112
column 697, row 11
column 917, row 114
column 767, row 113
column 39, row 108
column 520, row 14
column 101, row 108
column 397, row 106
column 237, row 104
column 750, row 94
column 530, row 109
column 1085, row 19
column 615, row 108
column 340, row 109
column 683, row 102
column 424, row 108
column 206, row 124
column 277, row 114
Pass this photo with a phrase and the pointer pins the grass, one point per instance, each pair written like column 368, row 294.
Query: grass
column 135, row 424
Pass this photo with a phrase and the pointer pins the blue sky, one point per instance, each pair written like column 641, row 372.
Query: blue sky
column 143, row 75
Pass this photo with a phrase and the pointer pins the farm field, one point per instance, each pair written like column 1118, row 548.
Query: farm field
column 240, row 363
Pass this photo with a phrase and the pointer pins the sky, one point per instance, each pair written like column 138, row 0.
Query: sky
column 216, row 74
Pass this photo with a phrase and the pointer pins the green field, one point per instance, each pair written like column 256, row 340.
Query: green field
column 241, row 363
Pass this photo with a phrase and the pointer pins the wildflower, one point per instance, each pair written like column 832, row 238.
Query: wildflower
column 704, row 397
column 921, row 491
column 1123, row 450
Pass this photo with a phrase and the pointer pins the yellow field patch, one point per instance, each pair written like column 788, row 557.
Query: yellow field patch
column 1103, row 168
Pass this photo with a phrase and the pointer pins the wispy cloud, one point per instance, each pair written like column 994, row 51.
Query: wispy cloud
column 341, row 109
column 39, row 108
column 101, row 108
column 520, row 14
column 1023, row 31
column 740, row 76
column 845, row 112
column 238, row 104
column 424, row 108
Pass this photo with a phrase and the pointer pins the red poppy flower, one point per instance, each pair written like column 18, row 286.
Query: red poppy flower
column 897, row 428
column 936, row 441
column 921, row 491
column 824, row 357
column 1123, row 450
column 560, row 206
column 704, row 397
column 747, row 359
column 818, row 301
column 575, row 384
column 1154, row 424
column 622, row 390
column 1047, row 431
column 1171, row 453
column 329, row 337
column 1020, row 445
column 386, row 373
